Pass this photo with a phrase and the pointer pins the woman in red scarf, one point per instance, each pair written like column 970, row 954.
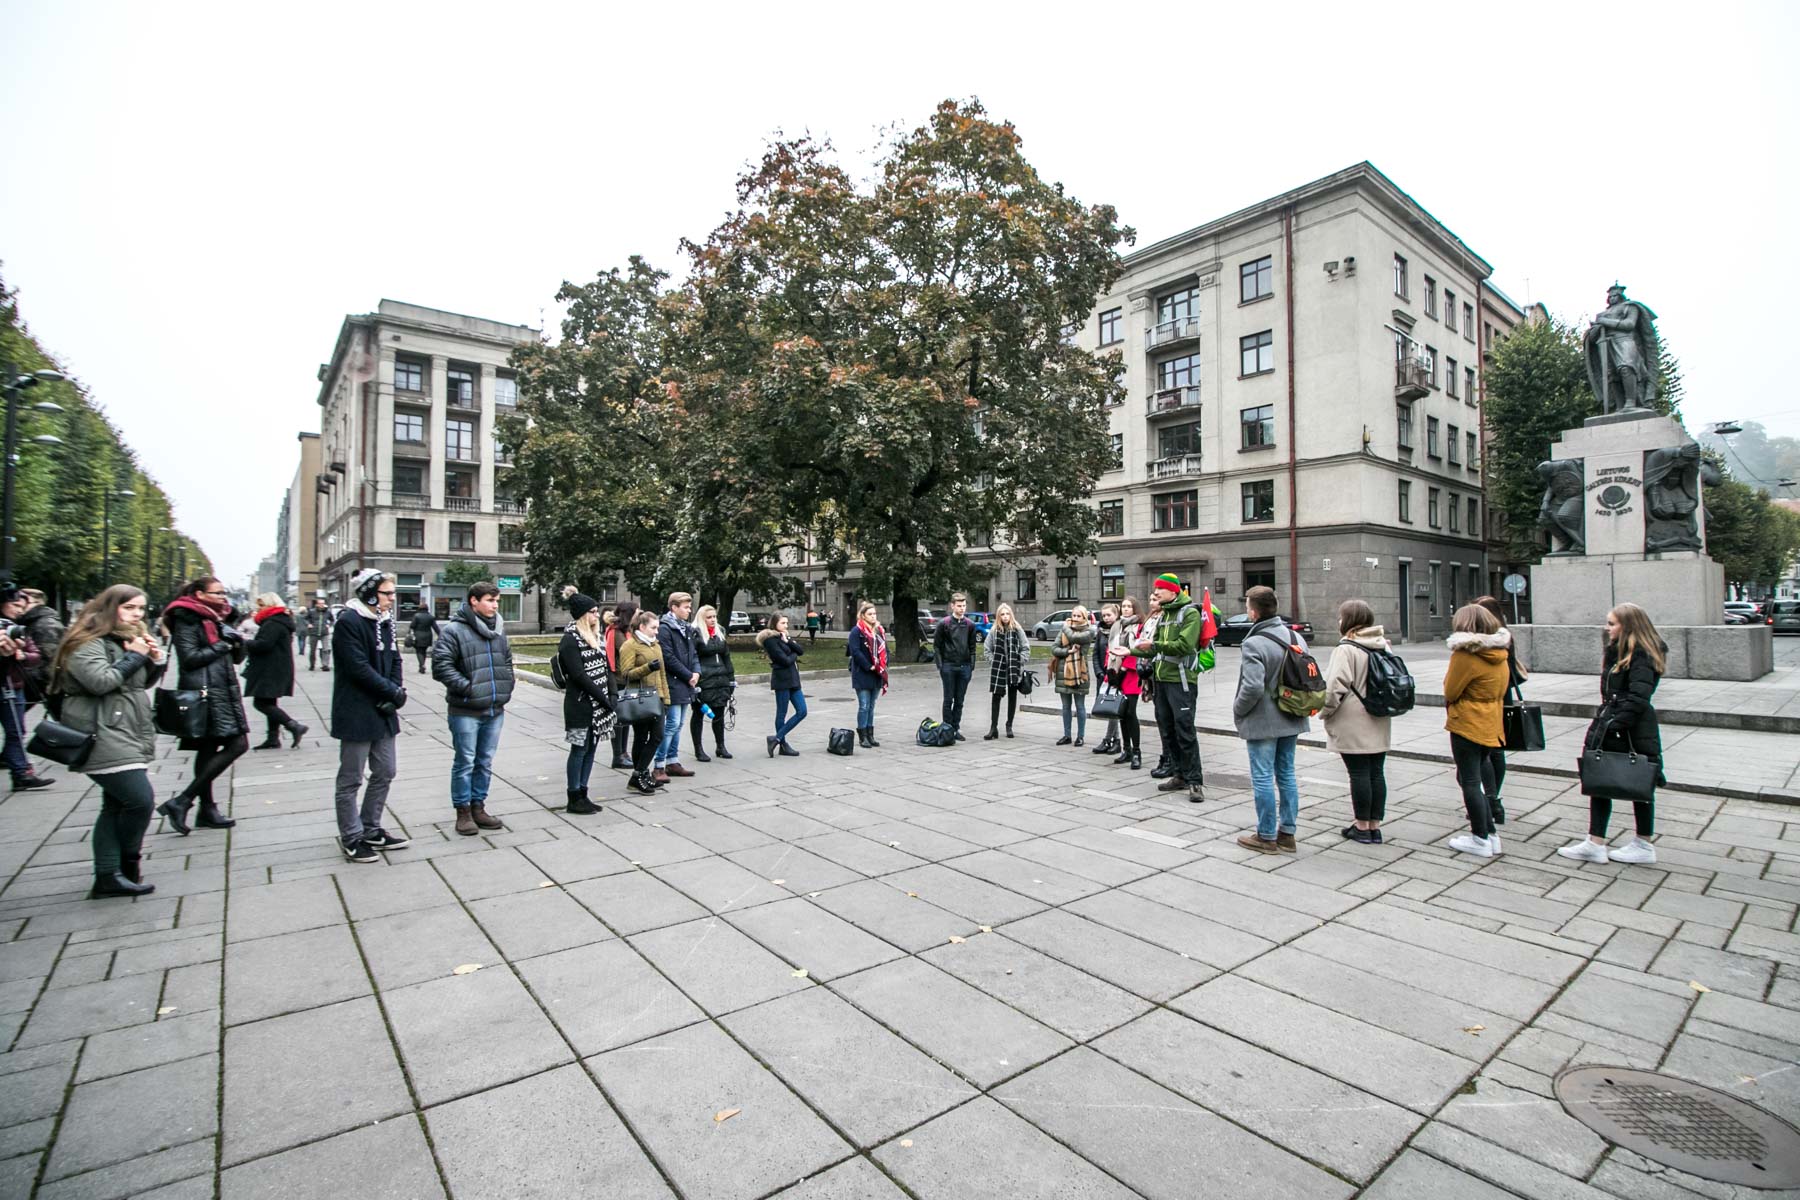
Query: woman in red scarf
column 207, row 651
column 868, row 670
column 269, row 676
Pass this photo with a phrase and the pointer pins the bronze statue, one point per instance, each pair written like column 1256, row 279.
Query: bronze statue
column 1563, row 511
column 1622, row 354
column 1672, row 481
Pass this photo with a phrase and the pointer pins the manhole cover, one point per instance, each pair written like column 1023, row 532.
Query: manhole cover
column 1684, row 1125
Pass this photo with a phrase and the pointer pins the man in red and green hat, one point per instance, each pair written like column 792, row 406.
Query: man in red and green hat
column 1182, row 633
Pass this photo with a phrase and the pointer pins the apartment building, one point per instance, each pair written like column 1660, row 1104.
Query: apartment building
column 296, row 549
column 412, row 476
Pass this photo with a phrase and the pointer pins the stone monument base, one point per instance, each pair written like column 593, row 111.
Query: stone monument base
column 1739, row 652
column 1678, row 587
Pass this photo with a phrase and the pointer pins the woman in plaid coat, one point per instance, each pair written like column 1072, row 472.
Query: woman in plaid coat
column 1008, row 650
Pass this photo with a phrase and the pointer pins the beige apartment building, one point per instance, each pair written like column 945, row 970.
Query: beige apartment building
column 296, row 533
column 411, row 476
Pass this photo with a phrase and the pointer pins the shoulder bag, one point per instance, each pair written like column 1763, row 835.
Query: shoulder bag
column 1618, row 774
column 61, row 743
column 1108, row 704
column 1523, row 723
column 636, row 705
column 180, row 713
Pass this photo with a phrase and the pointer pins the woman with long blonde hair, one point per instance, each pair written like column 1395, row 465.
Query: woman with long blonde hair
column 587, row 697
column 1634, row 663
column 1071, row 671
column 718, row 679
column 1008, row 652
column 269, row 674
column 867, row 648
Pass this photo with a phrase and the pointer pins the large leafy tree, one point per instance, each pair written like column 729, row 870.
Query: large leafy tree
column 1755, row 541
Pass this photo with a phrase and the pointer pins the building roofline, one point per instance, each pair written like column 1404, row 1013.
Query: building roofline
column 1364, row 173
column 417, row 316
column 1504, row 298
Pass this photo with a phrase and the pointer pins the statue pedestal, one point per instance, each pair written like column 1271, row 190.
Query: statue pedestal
column 1682, row 587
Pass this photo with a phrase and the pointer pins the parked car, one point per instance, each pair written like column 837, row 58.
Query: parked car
column 1051, row 625
column 1738, row 618
column 1749, row 608
column 1784, row 616
column 1235, row 628
column 739, row 623
column 927, row 619
column 984, row 621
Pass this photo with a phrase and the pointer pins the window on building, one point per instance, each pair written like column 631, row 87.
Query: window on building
column 1175, row 510
column 1406, row 501
column 1452, row 575
column 1431, row 437
column 409, row 535
column 459, row 440
column 460, row 383
column 1173, row 441
column 512, row 539
column 1474, row 578
column 1112, row 326
column 1450, row 377
column 502, row 452
column 1118, row 395
column 1452, row 444
column 1431, row 365
column 1449, row 309
column 1257, row 426
column 409, row 376
column 1258, row 499
column 1068, row 582
column 1431, row 507
column 1400, row 276
column 1469, row 321
column 1259, row 572
column 1436, row 572
column 1112, row 583
column 409, row 427
column 1474, row 454
column 1455, row 514
column 459, row 483
column 1256, row 353
column 1071, row 333
column 609, row 592
column 1116, row 443
column 1469, row 384
column 1178, row 306
column 1404, row 412
column 1474, row 525
column 1256, row 279
column 462, row 535
column 406, row 591
column 506, row 391
column 511, row 605
column 1181, row 371
column 409, row 479
column 1430, row 296
column 1112, row 518
column 1026, row 585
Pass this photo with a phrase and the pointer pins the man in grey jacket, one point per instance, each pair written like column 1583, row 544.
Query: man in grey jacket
column 473, row 660
column 1269, row 734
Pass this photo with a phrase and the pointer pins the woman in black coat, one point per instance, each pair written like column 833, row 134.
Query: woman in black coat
column 1634, row 663
column 784, row 676
column 207, row 651
column 422, row 633
column 588, row 718
column 269, row 675
column 717, row 679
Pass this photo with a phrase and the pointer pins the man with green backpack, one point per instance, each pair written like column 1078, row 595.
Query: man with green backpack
column 1181, row 653
column 1279, row 687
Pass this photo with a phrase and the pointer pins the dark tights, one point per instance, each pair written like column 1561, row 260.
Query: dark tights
column 646, row 737
column 126, row 802
column 1368, row 785
column 1600, row 813
column 1130, row 732
column 621, row 741
column 1493, row 771
column 1012, row 707
column 1469, row 758
column 696, row 719
column 270, row 708
column 210, row 762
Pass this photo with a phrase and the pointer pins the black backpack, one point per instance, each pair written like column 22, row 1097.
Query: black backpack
column 1389, row 689
column 556, row 672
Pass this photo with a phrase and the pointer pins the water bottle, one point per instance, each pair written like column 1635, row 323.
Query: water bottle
column 706, row 711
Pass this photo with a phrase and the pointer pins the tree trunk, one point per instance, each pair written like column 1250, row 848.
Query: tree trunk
column 905, row 629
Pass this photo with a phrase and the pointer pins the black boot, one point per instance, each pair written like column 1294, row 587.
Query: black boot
column 579, row 803
column 719, row 750
column 873, row 744
column 132, row 868
column 1124, row 757
column 114, row 883
column 640, row 785
column 272, row 742
column 992, row 734
column 1162, row 769
column 211, row 818
column 1137, row 761
column 700, row 754
column 1107, row 746
column 1009, row 732
column 176, row 810
column 297, row 730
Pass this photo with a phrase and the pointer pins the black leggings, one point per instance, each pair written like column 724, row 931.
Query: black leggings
column 1012, row 707
column 1600, row 813
column 126, row 801
column 1368, row 785
column 1130, row 732
column 210, row 762
column 270, row 708
column 696, row 719
column 1469, row 758
column 621, row 741
column 646, row 737
column 1493, row 771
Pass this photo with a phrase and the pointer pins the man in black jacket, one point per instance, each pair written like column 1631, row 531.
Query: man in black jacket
column 366, row 691
column 473, row 660
column 953, row 643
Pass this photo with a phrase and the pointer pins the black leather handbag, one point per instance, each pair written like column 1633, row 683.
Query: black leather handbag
column 842, row 742
column 1523, row 723
column 1618, row 774
column 636, row 705
column 1027, row 681
column 61, row 743
column 1108, row 704
column 180, row 714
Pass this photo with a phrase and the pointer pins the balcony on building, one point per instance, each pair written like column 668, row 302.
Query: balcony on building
column 1172, row 333
column 408, row 448
column 1181, row 466
column 461, row 454
column 508, row 504
column 411, row 500
column 463, row 503
column 1171, row 401
column 1412, row 378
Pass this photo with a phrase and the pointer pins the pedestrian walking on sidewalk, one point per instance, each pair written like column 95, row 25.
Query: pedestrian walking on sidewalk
column 368, row 690
column 1634, row 664
column 1182, row 653
column 953, row 645
column 45, row 631
column 20, row 660
column 1269, row 734
column 1352, row 732
column 1070, row 671
column 473, row 660
column 641, row 665
column 588, row 719
column 420, row 634
column 1493, row 771
column 208, row 647
column 1104, row 624
column 1474, row 698
column 269, row 673
column 318, row 621
column 718, row 679
column 1008, row 653
column 103, row 670
column 681, row 672
column 1122, row 671
column 812, row 625
column 784, row 677
column 868, row 650
column 618, row 632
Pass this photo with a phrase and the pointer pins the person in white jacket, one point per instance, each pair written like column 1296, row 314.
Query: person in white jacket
column 1360, row 738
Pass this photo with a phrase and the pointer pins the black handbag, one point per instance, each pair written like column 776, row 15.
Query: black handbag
column 61, row 743
column 1618, row 774
column 1108, row 705
column 636, row 705
column 1027, row 681
column 1524, row 723
column 179, row 713
column 842, row 742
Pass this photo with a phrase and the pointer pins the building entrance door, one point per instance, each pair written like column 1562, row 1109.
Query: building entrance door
column 1406, row 602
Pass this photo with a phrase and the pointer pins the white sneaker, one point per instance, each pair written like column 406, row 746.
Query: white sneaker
column 1584, row 851
column 1637, row 850
column 1468, row 843
column 1494, row 844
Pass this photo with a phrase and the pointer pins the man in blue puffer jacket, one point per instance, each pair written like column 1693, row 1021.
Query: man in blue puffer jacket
column 473, row 660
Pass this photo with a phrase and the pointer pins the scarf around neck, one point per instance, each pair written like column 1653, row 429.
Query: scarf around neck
column 209, row 616
column 384, row 623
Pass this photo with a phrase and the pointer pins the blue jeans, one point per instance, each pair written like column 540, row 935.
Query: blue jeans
column 581, row 763
column 865, row 708
column 785, row 697
column 13, row 711
column 1272, row 767
column 674, row 715
column 475, row 739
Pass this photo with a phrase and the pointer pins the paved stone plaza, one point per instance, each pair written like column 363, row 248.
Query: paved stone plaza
column 1005, row 969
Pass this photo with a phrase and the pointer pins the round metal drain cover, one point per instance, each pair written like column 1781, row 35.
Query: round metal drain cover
column 1684, row 1125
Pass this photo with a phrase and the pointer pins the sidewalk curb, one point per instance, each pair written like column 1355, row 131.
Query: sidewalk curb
column 1703, row 718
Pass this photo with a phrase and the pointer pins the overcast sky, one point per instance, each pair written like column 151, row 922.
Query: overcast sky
column 193, row 196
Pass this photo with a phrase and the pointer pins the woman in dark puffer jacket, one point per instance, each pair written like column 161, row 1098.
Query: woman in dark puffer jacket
column 269, row 675
column 718, row 678
column 207, row 651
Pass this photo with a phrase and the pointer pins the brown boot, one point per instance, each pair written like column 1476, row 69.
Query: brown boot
column 465, row 824
column 676, row 771
column 659, row 776
column 1251, row 842
column 480, row 813
column 1284, row 842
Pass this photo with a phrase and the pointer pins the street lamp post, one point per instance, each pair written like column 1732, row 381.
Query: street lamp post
column 106, row 531
column 14, row 384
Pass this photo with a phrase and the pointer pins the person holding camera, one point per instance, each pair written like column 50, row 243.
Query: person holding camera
column 19, row 660
column 367, row 690
column 208, row 648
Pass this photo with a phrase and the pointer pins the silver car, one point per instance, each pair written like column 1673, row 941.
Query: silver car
column 1051, row 625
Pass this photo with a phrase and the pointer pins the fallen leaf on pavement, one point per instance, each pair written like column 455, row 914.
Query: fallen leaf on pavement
column 894, row 844
column 800, row 974
column 545, row 883
column 985, row 928
column 165, row 1010
column 1746, row 1079
column 957, row 941
column 1474, row 1028
column 1698, row 986
column 906, row 1142
column 467, row 969
column 913, row 895
column 812, row 895
column 777, row 882
column 725, row 1114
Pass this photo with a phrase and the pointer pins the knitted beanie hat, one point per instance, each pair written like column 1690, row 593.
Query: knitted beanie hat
column 1169, row 580
column 580, row 605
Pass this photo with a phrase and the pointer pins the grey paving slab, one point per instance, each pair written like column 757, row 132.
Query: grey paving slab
column 308, row 1075
column 1415, row 1176
column 200, row 1187
column 1251, row 914
column 29, row 959
column 805, row 935
column 672, row 1088
column 1720, row 970
column 919, row 841
column 572, row 859
column 292, row 971
column 722, row 886
column 491, row 873
column 967, row 896
column 430, row 943
column 1273, row 887
column 168, row 1039
column 127, row 1117
column 1769, row 1082
column 545, row 919
column 466, row 1033
column 1460, row 978
column 533, row 1138
column 1210, row 942
column 1616, row 1004
column 979, row 1037
column 800, row 870
column 1506, row 954
column 1079, row 861
column 1048, row 885
column 606, row 995
column 389, row 1161
column 649, row 846
column 716, row 965
column 18, row 1174
column 857, row 1179
column 1329, row 1123
column 1165, row 1147
column 396, row 888
column 92, row 1008
column 134, row 1177
column 1131, row 963
column 258, row 912
column 635, row 901
column 719, row 834
column 982, row 1149
column 1530, row 1125
column 159, row 956
column 34, row 1094
column 886, row 911
column 193, row 988
column 859, row 1075
column 866, row 855
column 1070, row 1001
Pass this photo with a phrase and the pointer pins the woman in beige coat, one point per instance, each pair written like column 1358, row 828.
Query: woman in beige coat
column 1362, row 740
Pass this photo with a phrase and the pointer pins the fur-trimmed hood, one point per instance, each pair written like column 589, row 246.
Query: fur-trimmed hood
column 1491, row 646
